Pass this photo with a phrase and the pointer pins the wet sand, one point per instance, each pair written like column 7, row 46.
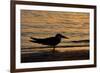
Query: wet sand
column 45, row 56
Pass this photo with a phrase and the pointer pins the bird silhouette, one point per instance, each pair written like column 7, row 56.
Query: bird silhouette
column 51, row 41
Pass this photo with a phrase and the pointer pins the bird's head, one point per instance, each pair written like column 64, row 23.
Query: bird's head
column 61, row 36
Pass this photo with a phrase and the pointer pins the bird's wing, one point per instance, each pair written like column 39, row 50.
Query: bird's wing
column 45, row 41
column 34, row 38
column 37, row 40
column 49, row 39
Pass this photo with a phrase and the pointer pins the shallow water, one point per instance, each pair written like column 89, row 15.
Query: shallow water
column 43, row 24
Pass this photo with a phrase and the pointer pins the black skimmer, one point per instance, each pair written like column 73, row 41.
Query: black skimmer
column 51, row 41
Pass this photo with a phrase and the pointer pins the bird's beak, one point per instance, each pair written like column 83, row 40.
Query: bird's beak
column 65, row 37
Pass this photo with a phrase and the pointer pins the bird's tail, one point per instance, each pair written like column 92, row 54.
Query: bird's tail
column 33, row 39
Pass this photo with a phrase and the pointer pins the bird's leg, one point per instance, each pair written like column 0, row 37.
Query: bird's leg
column 53, row 49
